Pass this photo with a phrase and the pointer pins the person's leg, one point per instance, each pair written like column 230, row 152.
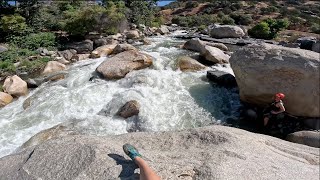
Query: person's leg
column 265, row 121
column 146, row 173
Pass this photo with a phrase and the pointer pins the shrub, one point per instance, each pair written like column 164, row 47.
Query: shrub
column 227, row 20
column 13, row 25
column 242, row 19
column 34, row 41
column 260, row 31
column 268, row 28
column 269, row 10
column 315, row 28
column 191, row 4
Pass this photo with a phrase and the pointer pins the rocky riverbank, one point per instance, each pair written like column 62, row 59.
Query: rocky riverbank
column 214, row 152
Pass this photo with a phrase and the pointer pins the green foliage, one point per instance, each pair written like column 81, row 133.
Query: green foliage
column 13, row 55
column 268, row 28
column 195, row 20
column 315, row 28
column 13, row 25
column 31, row 66
column 242, row 19
column 142, row 12
column 202, row 27
column 269, row 10
column 34, row 41
column 191, row 4
column 227, row 20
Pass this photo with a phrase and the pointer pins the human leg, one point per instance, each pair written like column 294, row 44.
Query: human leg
column 146, row 173
column 265, row 121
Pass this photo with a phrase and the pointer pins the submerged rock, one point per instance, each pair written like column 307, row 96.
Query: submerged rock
column 5, row 99
column 15, row 86
column 222, row 78
column 121, row 64
column 186, row 63
column 131, row 108
column 261, row 70
column 202, row 153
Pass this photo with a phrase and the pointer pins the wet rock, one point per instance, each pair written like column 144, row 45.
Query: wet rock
column 15, row 86
column 119, row 65
column 52, row 67
column 131, row 108
column 214, row 54
column 261, row 70
column 316, row 47
column 103, row 51
column 31, row 83
column 218, row 150
column 186, row 63
column 306, row 42
column 146, row 41
column 309, row 138
column 222, row 78
column 122, row 47
column 27, row 103
column 83, row 47
column 67, row 54
column 133, row 34
column 226, row 31
column 79, row 57
column 5, row 99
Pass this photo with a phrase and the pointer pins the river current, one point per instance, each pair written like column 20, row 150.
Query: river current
column 169, row 99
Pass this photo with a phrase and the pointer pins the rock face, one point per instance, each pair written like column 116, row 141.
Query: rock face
column 195, row 44
column 83, row 47
column 265, row 69
column 310, row 138
column 121, row 64
column 52, row 67
column 226, row 31
column 15, row 86
column 5, row 99
column 204, row 153
column 186, row 63
column 103, row 51
column 131, row 108
column 222, row 78
column 214, row 54
column 122, row 47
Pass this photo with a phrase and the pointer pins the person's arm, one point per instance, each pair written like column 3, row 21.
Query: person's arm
column 282, row 109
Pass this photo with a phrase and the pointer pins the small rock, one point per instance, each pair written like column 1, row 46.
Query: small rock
column 163, row 30
column 31, row 83
column 83, row 47
column 61, row 60
column 103, row 51
column 133, row 34
column 131, row 108
column 15, row 86
column 79, row 57
column 310, row 138
column 100, row 42
column 214, row 55
column 146, row 41
column 122, row 47
column 222, row 78
column 52, row 67
column 5, row 99
column 42, row 51
column 67, row 54
column 26, row 103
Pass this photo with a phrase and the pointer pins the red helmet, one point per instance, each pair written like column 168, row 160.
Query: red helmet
column 280, row 95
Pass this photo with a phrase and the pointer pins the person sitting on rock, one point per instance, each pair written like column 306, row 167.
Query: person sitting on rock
column 275, row 108
column 146, row 173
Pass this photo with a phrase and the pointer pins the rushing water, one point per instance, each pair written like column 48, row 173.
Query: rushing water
column 169, row 99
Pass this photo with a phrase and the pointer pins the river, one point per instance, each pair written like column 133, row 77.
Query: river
column 169, row 99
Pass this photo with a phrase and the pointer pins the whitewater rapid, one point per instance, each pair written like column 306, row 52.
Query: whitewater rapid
column 169, row 99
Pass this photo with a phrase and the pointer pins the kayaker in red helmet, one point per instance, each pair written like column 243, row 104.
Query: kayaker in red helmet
column 276, row 108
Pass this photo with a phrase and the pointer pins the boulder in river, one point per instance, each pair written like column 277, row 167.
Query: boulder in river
column 123, row 47
column 226, row 31
column 310, row 138
column 53, row 67
column 131, row 108
column 133, row 34
column 82, row 47
column 186, row 63
column 103, row 51
column 121, row 64
column 195, row 44
column 67, row 54
column 5, row 99
column 15, row 86
column 79, row 57
column 163, row 30
column 261, row 70
column 203, row 153
column 214, row 54
column 222, row 78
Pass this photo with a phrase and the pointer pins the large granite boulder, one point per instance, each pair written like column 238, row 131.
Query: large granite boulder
column 122, row 47
column 53, row 67
column 261, row 70
column 82, row 47
column 226, row 31
column 121, row 64
column 5, row 99
column 103, row 51
column 131, row 108
column 214, row 54
column 214, row 152
column 195, row 44
column 15, row 86
column 186, row 63
column 310, row 138
column 133, row 34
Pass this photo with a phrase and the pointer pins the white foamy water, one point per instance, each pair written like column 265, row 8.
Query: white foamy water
column 169, row 99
